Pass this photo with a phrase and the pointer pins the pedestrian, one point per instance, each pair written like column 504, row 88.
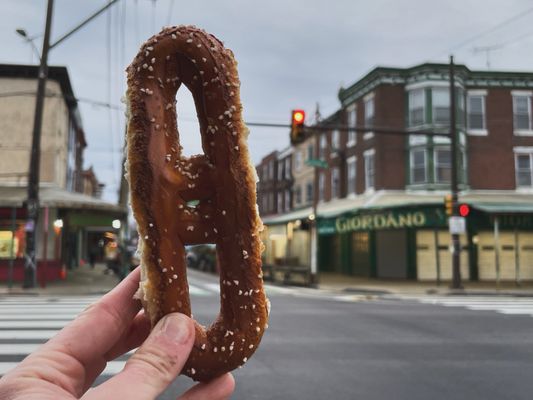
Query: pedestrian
column 67, row 365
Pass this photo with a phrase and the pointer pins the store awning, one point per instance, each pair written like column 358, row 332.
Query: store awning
column 56, row 197
column 292, row 216
column 504, row 208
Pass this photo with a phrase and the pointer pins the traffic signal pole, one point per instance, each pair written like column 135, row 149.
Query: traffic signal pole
column 32, row 203
column 456, row 244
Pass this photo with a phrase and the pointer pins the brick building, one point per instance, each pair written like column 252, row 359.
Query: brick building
column 380, row 200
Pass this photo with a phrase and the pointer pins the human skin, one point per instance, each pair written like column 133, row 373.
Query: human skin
column 68, row 364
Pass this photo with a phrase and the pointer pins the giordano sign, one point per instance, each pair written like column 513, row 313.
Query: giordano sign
column 393, row 219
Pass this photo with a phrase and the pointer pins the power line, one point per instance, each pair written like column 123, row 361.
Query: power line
column 494, row 28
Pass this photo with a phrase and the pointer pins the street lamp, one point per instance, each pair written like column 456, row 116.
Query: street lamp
column 22, row 32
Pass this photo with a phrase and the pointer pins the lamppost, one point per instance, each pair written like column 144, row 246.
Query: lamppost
column 32, row 202
column 22, row 32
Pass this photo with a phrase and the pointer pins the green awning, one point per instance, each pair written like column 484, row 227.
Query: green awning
column 504, row 208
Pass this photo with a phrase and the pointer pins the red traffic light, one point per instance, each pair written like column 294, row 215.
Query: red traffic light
column 464, row 210
column 298, row 117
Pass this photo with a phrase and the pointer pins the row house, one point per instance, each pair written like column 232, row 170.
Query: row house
column 380, row 209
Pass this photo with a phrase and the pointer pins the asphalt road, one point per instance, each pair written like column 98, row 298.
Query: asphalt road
column 317, row 348
column 321, row 347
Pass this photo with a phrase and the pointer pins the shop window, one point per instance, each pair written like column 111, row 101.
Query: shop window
column 418, row 166
column 417, row 109
column 443, row 165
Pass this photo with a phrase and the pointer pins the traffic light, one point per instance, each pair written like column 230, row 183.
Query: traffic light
column 448, row 205
column 297, row 126
column 464, row 210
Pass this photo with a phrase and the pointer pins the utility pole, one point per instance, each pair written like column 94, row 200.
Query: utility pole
column 32, row 204
column 456, row 244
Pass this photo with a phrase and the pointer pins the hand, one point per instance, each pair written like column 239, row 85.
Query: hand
column 67, row 365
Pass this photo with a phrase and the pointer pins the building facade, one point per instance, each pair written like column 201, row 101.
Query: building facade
column 380, row 209
column 71, row 215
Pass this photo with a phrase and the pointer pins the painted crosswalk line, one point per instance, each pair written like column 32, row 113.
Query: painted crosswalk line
column 503, row 305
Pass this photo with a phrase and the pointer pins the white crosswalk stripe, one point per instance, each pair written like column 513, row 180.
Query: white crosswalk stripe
column 501, row 304
column 27, row 322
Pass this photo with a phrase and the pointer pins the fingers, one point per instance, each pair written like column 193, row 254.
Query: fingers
column 132, row 338
column 219, row 388
column 101, row 325
column 155, row 364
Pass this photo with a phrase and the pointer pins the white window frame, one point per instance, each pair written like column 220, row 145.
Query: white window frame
column 521, row 151
column 483, row 95
column 410, row 93
column 352, row 123
column 367, row 100
column 446, row 92
column 521, row 94
column 370, row 154
column 335, row 142
column 435, row 175
column 351, row 162
column 411, row 166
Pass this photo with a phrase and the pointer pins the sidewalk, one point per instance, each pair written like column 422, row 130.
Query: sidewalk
column 347, row 284
column 80, row 281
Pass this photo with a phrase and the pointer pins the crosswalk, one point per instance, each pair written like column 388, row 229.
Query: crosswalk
column 26, row 322
column 509, row 305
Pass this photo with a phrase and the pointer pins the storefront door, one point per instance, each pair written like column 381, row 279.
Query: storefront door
column 391, row 254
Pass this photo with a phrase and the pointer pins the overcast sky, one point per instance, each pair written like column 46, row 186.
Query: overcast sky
column 291, row 54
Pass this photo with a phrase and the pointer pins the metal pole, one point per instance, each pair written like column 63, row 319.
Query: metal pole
column 517, row 257
column 497, row 249
column 437, row 254
column 313, row 228
column 456, row 244
column 32, row 204
column 12, row 249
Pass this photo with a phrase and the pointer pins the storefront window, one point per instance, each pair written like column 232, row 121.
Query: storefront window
column 12, row 244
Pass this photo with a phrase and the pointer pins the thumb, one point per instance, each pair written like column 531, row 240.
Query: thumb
column 155, row 364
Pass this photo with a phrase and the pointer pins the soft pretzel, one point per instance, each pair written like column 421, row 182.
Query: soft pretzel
column 164, row 184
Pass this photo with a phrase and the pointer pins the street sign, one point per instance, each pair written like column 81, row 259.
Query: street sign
column 457, row 225
column 314, row 162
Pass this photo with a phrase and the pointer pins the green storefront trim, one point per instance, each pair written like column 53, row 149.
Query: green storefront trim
column 391, row 218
